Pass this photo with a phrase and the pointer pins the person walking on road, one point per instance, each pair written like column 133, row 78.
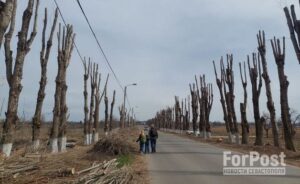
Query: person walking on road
column 153, row 135
column 147, row 144
column 142, row 141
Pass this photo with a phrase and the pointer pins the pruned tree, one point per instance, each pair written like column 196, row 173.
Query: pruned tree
column 169, row 118
column 210, row 99
column 255, row 73
column 121, row 117
column 295, row 119
column 93, row 82
column 58, row 139
column 106, row 112
column 122, row 113
column 205, row 98
column 177, row 113
column 201, row 102
column 186, row 116
column 243, row 106
column 1, row 108
column 220, row 83
column 265, row 75
column 87, row 67
column 67, row 45
column 98, row 99
column 188, row 113
column 44, row 57
column 14, row 70
column 279, row 55
column 294, row 28
column 111, row 111
column 182, row 116
column 229, row 80
column 6, row 14
column 194, row 103
column 266, row 122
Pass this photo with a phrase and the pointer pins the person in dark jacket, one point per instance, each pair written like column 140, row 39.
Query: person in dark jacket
column 153, row 135
column 147, row 144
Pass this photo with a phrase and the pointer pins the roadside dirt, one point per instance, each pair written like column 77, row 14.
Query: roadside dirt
column 292, row 158
column 79, row 157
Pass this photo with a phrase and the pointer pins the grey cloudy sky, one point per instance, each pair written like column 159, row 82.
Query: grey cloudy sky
column 161, row 45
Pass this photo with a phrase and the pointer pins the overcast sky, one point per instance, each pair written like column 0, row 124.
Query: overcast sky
column 161, row 45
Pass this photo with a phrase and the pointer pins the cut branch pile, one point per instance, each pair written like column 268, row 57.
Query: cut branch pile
column 15, row 169
column 105, row 173
column 113, row 145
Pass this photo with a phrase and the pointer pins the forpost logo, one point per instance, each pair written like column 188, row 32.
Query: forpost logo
column 253, row 164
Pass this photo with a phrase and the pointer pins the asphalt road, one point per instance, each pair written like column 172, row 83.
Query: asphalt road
column 183, row 161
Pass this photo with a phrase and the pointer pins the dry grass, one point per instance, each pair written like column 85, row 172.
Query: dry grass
column 79, row 157
column 220, row 131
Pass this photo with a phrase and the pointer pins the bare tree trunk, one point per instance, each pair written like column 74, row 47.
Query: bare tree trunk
column 6, row 13
column 210, row 98
column 201, row 99
column 194, row 107
column 44, row 57
column 243, row 107
column 98, row 99
column 285, row 114
column 85, row 94
column 106, row 114
column 294, row 27
column 255, row 72
column 65, row 48
column 265, row 75
column 121, row 117
column 220, row 83
column 94, row 80
column 15, row 75
column 111, row 112
column 188, row 113
column 181, row 117
column 177, row 113
column 56, row 111
column 229, row 79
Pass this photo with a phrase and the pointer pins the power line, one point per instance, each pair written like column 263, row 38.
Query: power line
column 64, row 21
column 99, row 45
column 102, row 51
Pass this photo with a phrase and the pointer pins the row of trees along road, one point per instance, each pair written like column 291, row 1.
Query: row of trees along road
column 14, row 73
column 201, row 98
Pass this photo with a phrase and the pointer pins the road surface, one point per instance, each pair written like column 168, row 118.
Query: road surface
column 184, row 161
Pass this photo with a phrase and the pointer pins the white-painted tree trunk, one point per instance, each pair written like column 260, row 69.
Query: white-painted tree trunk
column 230, row 137
column 88, row 139
column 6, row 149
column 204, row 134
column 35, row 144
column 208, row 135
column 95, row 137
column 62, row 144
column 53, row 145
column 237, row 138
